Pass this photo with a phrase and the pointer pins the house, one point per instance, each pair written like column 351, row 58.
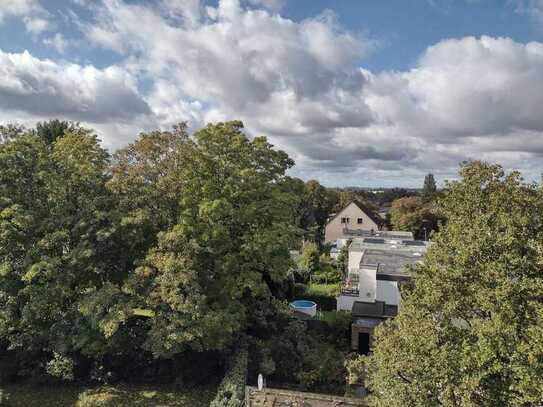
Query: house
column 377, row 267
column 351, row 218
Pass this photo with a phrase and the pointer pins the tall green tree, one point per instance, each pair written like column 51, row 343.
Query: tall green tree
column 429, row 188
column 470, row 330
column 413, row 215
column 51, row 130
column 316, row 204
column 310, row 258
column 55, row 245
column 227, row 248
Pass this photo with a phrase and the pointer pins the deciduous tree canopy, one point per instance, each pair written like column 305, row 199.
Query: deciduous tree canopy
column 172, row 245
column 470, row 331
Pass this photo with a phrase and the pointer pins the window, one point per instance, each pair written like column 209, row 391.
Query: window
column 359, row 221
column 345, row 220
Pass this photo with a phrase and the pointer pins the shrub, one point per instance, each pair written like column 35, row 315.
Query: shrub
column 103, row 397
column 305, row 360
column 339, row 326
column 61, row 366
column 232, row 388
column 4, row 398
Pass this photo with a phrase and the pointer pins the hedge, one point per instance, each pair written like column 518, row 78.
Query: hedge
column 231, row 391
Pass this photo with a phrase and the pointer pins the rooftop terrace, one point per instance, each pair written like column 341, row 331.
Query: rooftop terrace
column 390, row 256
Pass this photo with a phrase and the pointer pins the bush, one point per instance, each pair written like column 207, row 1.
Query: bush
column 305, row 360
column 339, row 327
column 231, row 391
column 104, row 397
column 61, row 367
column 4, row 398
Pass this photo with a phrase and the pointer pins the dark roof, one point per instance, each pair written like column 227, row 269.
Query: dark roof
column 374, row 216
column 280, row 397
column 377, row 309
column 391, row 262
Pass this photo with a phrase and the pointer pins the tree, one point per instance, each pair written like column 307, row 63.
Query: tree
column 310, row 258
column 429, row 189
column 316, row 203
column 50, row 131
column 10, row 131
column 470, row 330
column 342, row 261
column 57, row 245
column 147, row 182
column 227, row 249
column 411, row 214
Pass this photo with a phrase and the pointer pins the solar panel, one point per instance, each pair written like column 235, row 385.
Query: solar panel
column 414, row 243
column 373, row 240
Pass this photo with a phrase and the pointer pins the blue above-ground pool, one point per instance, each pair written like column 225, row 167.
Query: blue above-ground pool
column 305, row 306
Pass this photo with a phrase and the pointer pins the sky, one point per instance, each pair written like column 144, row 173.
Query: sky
column 358, row 92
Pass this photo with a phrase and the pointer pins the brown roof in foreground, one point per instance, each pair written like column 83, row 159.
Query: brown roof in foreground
column 287, row 398
column 377, row 309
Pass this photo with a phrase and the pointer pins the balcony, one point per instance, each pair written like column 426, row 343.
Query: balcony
column 350, row 286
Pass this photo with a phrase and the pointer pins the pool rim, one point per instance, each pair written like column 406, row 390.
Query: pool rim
column 294, row 305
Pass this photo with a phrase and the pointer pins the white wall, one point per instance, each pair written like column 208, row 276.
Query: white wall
column 367, row 284
column 355, row 257
column 388, row 292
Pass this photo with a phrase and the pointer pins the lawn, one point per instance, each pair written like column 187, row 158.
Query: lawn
column 108, row 396
column 323, row 290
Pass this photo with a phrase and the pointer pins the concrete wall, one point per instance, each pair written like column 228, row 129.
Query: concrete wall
column 368, row 284
column 388, row 292
column 355, row 257
column 345, row 302
column 334, row 229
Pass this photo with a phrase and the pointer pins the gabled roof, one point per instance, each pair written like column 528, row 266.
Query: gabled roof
column 369, row 213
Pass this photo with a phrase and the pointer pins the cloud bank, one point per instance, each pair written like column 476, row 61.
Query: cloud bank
column 303, row 84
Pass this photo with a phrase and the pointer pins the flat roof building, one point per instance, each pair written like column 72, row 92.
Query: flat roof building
column 377, row 266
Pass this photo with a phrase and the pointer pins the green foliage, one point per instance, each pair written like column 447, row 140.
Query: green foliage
column 5, row 399
column 57, row 240
column 412, row 215
column 61, row 366
column 327, row 272
column 429, row 189
column 231, row 392
column 101, row 398
column 303, row 359
column 52, row 130
column 324, row 290
column 470, row 330
column 109, row 396
column 172, row 247
column 342, row 261
column 310, row 258
column 60, row 395
column 228, row 246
